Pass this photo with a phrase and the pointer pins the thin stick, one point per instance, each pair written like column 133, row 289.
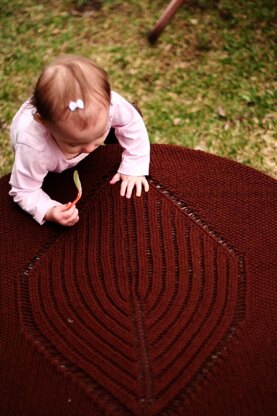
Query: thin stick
column 166, row 16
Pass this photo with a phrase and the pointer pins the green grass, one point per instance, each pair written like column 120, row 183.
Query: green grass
column 208, row 83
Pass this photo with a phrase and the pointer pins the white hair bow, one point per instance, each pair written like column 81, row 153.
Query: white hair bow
column 76, row 104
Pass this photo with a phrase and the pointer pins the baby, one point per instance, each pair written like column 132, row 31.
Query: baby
column 69, row 115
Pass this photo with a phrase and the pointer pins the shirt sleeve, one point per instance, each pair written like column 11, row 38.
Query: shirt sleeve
column 27, row 176
column 132, row 135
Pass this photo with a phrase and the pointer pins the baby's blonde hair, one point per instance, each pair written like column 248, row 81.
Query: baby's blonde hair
column 69, row 78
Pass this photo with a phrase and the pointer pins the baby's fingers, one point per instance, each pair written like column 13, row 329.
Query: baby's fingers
column 70, row 216
column 130, row 187
column 123, row 188
column 115, row 178
column 142, row 182
column 145, row 184
column 72, row 221
column 138, row 188
column 127, row 186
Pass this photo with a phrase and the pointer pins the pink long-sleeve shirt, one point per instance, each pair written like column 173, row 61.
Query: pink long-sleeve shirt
column 37, row 153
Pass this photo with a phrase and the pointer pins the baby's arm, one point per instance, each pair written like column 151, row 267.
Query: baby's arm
column 132, row 135
column 29, row 171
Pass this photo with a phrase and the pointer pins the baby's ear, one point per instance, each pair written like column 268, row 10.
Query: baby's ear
column 38, row 118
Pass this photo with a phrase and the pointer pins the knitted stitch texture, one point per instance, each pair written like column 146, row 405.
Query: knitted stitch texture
column 159, row 305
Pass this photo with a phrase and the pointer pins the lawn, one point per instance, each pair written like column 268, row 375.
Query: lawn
column 208, row 83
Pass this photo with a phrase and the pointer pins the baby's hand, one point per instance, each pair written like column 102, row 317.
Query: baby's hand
column 129, row 183
column 62, row 215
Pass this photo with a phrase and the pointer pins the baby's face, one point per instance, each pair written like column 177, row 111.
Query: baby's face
column 72, row 140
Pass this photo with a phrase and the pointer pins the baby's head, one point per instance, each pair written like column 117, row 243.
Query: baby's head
column 69, row 78
column 67, row 81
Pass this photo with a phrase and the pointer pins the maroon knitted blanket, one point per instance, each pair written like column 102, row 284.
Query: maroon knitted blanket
column 159, row 305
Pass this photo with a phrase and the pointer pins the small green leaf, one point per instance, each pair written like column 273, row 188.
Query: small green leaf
column 77, row 181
